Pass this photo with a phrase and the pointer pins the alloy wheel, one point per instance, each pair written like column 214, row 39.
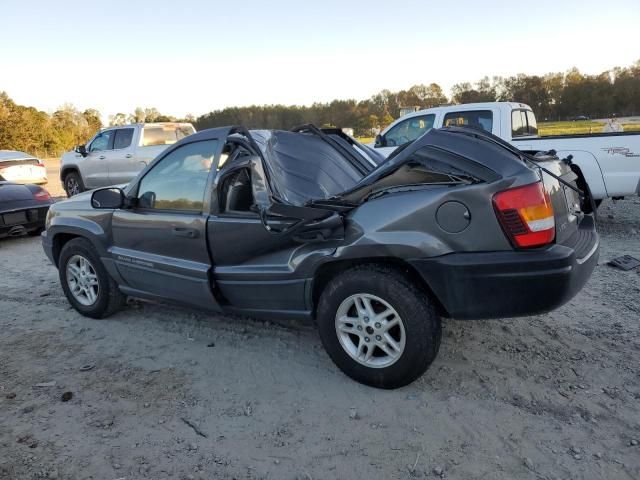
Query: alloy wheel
column 73, row 187
column 370, row 330
column 82, row 280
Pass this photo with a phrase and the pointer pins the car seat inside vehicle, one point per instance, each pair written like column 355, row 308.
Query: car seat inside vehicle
column 237, row 195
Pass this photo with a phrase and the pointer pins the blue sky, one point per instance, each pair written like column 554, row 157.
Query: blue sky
column 192, row 57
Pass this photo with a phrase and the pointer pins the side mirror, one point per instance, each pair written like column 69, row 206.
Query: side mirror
column 147, row 200
column 379, row 141
column 107, row 198
column 81, row 149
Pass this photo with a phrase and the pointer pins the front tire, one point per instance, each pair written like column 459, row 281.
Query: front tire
column 73, row 184
column 378, row 327
column 85, row 281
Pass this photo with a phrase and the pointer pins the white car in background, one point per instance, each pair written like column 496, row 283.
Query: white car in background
column 20, row 167
column 607, row 163
column 116, row 155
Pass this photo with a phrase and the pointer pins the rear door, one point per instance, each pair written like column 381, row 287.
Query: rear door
column 257, row 244
column 160, row 245
column 123, row 166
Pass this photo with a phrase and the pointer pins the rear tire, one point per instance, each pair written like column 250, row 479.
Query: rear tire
column 73, row 184
column 85, row 281
column 585, row 204
column 344, row 324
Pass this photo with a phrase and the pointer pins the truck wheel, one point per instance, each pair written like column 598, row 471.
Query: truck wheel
column 585, row 205
column 85, row 281
column 73, row 184
column 378, row 327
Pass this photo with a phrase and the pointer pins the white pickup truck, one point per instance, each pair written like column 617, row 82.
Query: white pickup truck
column 116, row 154
column 609, row 163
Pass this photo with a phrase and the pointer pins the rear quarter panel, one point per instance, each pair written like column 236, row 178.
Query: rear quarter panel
column 404, row 225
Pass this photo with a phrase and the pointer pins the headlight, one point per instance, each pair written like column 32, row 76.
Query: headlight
column 47, row 221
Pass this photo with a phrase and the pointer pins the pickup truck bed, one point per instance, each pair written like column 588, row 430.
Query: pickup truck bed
column 610, row 161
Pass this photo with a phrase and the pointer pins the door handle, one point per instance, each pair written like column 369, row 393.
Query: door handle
column 185, row 232
column 102, row 157
column 128, row 155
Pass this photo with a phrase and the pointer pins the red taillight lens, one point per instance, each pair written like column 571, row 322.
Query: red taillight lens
column 42, row 195
column 526, row 215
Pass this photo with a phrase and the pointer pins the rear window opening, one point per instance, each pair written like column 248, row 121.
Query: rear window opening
column 427, row 167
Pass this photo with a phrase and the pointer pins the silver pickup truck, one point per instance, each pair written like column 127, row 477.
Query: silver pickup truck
column 117, row 154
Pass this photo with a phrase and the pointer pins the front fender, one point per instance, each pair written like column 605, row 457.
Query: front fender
column 69, row 168
column 93, row 229
column 70, row 161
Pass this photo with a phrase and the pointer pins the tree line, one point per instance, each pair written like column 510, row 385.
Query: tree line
column 30, row 130
column 554, row 96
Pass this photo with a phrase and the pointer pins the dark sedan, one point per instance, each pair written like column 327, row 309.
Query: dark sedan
column 23, row 209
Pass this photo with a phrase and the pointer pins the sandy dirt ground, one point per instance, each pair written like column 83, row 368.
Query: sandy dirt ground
column 53, row 175
column 158, row 391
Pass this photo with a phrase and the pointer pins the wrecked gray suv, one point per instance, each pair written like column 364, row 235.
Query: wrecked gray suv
column 311, row 224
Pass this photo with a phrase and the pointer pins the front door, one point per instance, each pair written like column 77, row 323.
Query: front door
column 403, row 132
column 95, row 166
column 160, row 245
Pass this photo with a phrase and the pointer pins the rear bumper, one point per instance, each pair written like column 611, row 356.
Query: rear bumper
column 34, row 218
column 512, row 283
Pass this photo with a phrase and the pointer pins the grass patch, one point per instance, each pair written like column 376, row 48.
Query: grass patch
column 546, row 129
column 578, row 128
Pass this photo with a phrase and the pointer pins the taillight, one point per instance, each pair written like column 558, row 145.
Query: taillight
column 42, row 195
column 526, row 215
